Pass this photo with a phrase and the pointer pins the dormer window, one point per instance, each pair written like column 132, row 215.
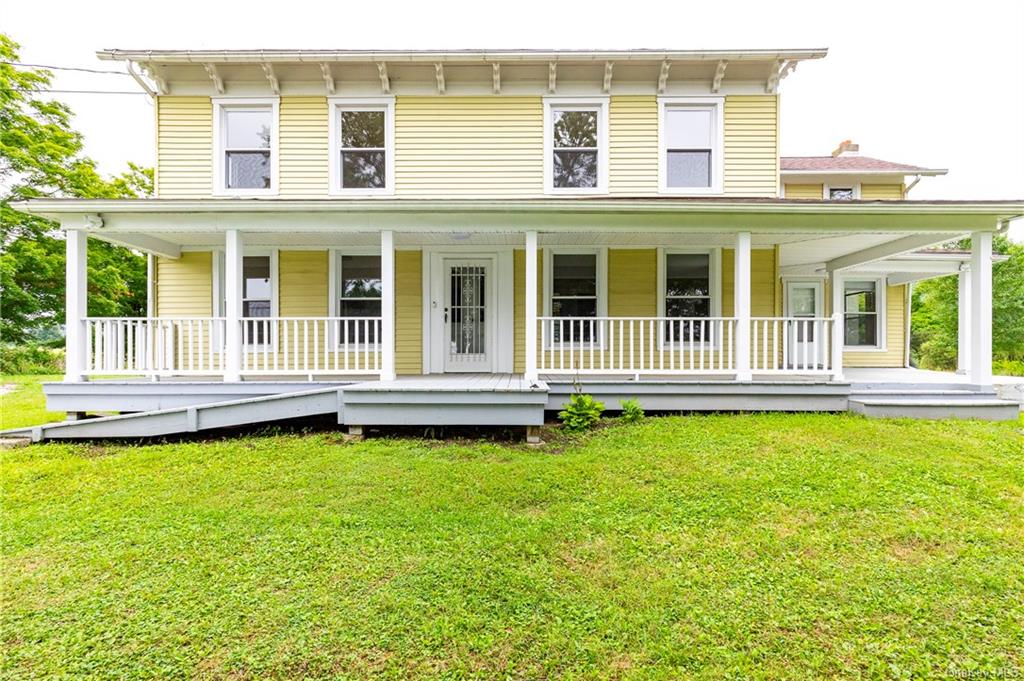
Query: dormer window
column 246, row 157
column 840, row 194
column 576, row 146
column 690, row 133
column 362, row 146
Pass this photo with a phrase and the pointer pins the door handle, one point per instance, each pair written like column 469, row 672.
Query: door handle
column 446, row 315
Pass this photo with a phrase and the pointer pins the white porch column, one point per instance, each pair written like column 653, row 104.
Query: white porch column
column 233, row 247
column 741, row 307
column 835, row 283
column 387, row 305
column 76, row 310
column 981, row 309
column 531, row 307
column 963, row 321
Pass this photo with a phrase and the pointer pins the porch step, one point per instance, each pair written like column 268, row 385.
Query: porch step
column 475, row 400
column 939, row 407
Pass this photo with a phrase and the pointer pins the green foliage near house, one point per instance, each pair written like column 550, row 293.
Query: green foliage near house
column 30, row 359
column 581, row 413
column 934, row 314
column 41, row 156
column 631, row 410
column 771, row 546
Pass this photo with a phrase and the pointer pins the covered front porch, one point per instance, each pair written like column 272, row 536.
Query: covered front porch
column 596, row 292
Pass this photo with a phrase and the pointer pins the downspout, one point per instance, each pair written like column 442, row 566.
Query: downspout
column 138, row 79
column 910, row 186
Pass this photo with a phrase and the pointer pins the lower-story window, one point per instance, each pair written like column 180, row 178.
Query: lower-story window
column 861, row 313
column 256, row 297
column 573, row 293
column 359, row 295
column 687, row 293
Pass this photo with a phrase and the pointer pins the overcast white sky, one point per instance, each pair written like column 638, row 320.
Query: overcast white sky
column 938, row 84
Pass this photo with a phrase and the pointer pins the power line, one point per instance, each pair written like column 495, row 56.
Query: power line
column 64, row 68
column 85, row 92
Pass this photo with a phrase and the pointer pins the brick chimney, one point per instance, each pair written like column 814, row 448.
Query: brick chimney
column 846, row 148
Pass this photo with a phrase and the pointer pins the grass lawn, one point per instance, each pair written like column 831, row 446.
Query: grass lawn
column 22, row 402
column 771, row 546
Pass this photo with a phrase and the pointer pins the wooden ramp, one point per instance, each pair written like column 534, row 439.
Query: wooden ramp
column 469, row 400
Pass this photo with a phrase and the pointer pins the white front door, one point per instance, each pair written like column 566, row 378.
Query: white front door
column 468, row 324
column 804, row 346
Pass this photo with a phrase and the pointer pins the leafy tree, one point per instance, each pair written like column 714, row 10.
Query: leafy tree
column 934, row 311
column 41, row 156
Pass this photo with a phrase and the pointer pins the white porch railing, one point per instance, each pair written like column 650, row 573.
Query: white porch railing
column 154, row 346
column 791, row 345
column 636, row 345
column 190, row 346
column 306, row 345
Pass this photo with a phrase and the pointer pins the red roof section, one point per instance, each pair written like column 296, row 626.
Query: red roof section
column 845, row 164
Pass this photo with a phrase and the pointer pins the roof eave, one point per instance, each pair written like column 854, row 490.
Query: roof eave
column 929, row 172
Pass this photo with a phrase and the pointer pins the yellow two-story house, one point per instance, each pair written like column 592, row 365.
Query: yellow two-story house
column 463, row 236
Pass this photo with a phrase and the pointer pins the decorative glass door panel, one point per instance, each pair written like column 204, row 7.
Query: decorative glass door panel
column 467, row 329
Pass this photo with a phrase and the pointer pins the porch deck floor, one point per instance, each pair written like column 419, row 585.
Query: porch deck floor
column 453, row 382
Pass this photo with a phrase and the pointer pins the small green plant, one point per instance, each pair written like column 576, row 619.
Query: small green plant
column 581, row 413
column 631, row 410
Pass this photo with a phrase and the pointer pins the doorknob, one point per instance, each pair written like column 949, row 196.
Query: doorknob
column 446, row 315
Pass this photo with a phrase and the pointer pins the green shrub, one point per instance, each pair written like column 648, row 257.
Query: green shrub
column 582, row 413
column 631, row 410
column 1008, row 367
column 30, row 359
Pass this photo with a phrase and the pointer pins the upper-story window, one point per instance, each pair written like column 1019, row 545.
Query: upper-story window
column 362, row 146
column 576, row 146
column 246, row 149
column 690, row 136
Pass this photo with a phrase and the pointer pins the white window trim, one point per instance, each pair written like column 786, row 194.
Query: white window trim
column 219, row 106
column 715, row 274
column 335, row 106
column 334, row 288
column 602, row 282
column 717, row 105
column 601, row 104
column 882, row 338
column 826, row 189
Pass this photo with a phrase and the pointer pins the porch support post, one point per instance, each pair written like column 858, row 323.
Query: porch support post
column 835, row 283
column 530, row 342
column 387, row 305
column 76, row 310
column 233, row 246
column 963, row 321
column 741, row 307
column 981, row 309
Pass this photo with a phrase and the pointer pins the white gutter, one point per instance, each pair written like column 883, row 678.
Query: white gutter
column 138, row 79
column 283, row 56
column 1004, row 210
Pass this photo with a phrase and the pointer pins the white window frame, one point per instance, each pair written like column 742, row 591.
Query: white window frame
column 881, row 331
column 715, row 283
column 335, row 106
column 553, row 104
column 602, row 284
column 717, row 106
column 826, row 189
column 222, row 104
column 334, row 288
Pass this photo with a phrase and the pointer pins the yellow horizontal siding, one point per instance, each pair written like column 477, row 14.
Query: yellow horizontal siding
column 303, row 166
column 409, row 312
column 632, row 282
column 633, row 145
column 804, row 191
column 468, row 146
column 302, row 283
column 185, row 286
column 895, row 334
column 751, row 145
column 874, row 192
column 184, row 147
